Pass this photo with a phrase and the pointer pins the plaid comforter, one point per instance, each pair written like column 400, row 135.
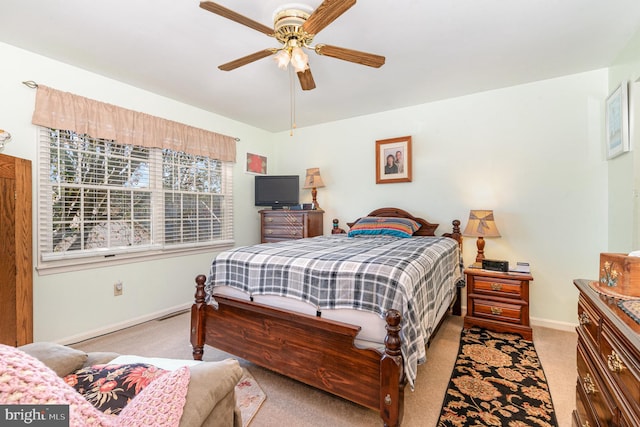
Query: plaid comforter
column 415, row 276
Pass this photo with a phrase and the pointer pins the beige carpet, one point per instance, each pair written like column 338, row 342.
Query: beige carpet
column 294, row 404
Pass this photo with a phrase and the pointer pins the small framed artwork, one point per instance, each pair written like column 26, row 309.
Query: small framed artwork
column 617, row 121
column 256, row 164
column 393, row 160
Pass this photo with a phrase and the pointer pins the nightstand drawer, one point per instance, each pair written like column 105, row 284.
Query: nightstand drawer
column 497, row 287
column 495, row 310
column 498, row 301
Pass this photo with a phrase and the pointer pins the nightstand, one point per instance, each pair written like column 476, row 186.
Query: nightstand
column 498, row 301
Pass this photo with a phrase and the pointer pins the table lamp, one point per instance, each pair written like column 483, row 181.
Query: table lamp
column 481, row 224
column 313, row 181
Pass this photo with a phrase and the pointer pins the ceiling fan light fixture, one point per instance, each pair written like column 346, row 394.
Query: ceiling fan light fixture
column 299, row 59
column 282, row 58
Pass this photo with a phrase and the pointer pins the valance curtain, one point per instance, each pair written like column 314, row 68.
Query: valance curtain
column 66, row 111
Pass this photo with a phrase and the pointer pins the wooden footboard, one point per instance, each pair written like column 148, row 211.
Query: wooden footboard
column 313, row 350
column 310, row 349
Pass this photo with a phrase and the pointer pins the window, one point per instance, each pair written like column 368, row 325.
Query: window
column 100, row 200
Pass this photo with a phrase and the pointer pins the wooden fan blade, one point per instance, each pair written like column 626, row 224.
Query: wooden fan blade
column 246, row 60
column 235, row 16
column 306, row 80
column 325, row 14
column 363, row 58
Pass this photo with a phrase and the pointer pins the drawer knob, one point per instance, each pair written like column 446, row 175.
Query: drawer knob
column 268, row 219
column 387, row 400
column 496, row 310
column 268, row 232
column 584, row 318
column 589, row 386
column 496, row 286
column 614, row 362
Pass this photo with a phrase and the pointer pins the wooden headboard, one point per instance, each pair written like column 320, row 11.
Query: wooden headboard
column 426, row 228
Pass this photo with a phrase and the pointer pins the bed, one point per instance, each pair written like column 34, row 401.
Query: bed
column 307, row 308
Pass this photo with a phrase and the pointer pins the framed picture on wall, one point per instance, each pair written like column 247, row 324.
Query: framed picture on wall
column 393, row 160
column 256, row 164
column 617, row 121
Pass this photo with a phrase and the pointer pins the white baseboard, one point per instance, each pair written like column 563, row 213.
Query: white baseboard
column 122, row 325
column 553, row 324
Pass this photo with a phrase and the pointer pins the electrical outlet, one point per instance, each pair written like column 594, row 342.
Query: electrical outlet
column 117, row 288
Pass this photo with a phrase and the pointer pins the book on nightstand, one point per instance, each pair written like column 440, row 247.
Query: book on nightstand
column 521, row 267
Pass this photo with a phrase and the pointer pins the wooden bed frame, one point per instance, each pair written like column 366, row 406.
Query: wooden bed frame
column 313, row 350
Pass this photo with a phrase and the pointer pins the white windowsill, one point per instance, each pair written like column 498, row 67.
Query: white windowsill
column 76, row 264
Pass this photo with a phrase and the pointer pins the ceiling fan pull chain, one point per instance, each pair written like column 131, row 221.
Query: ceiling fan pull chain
column 292, row 91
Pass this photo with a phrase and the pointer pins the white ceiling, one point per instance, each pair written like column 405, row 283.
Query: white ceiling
column 434, row 49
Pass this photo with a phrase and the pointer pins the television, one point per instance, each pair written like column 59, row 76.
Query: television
column 277, row 191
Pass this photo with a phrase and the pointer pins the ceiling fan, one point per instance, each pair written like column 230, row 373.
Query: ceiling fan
column 295, row 26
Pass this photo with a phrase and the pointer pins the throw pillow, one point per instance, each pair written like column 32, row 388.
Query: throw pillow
column 384, row 226
column 161, row 404
column 111, row 387
column 60, row 358
column 26, row 380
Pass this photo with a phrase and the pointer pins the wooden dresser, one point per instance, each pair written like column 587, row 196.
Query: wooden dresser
column 498, row 301
column 277, row 225
column 608, row 360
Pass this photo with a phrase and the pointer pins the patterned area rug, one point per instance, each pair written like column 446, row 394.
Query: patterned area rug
column 249, row 397
column 497, row 380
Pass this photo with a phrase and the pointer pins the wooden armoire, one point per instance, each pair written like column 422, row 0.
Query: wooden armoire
column 16, row 256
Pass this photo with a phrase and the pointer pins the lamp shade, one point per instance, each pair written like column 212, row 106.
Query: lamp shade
column 481, row 224
column 313, row 179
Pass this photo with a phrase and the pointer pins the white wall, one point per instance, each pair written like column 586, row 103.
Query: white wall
column 533, row 153
column 624, row 170
column 76, row 305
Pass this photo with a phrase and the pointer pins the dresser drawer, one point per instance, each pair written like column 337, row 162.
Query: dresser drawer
column 593, row 392
column 583, row 414
column 496, row 310
column 621, row 367
column 274, row 232
column 589, row 321
column 497, row 287
column 283, row 220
